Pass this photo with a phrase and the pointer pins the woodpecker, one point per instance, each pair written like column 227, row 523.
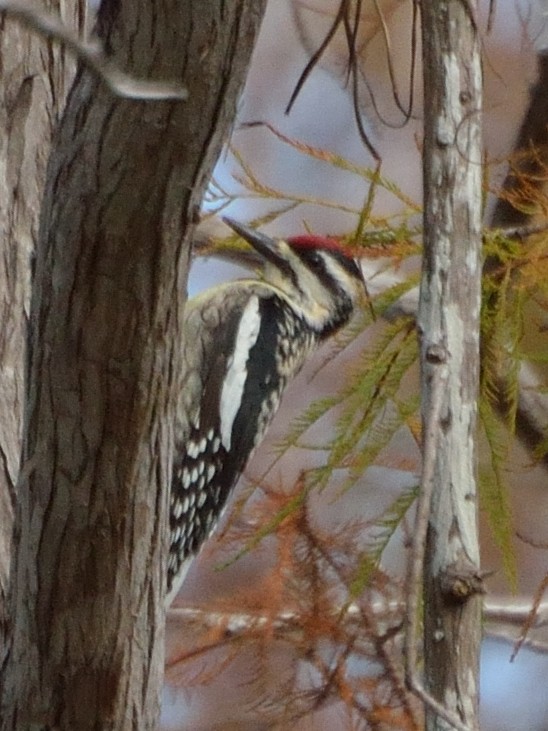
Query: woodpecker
column 243, row 342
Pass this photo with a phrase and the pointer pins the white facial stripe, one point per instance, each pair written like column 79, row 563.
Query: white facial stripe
column 233, row 386
column 347, row 282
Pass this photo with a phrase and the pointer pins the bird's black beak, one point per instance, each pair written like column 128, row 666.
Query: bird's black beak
column 265, row 246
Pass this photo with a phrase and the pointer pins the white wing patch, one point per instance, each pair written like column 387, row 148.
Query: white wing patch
column 234, row 383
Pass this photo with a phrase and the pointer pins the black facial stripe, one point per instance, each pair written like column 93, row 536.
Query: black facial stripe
column 316, row 263
column 347, row 263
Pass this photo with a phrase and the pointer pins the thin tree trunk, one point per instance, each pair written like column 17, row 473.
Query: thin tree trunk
column 35, row 77
column 449, row 328
column 124, row 184
column 527, row 171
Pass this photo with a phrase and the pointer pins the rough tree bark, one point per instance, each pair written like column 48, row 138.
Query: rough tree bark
column 449, row 328
column 124, row 183
column 34, row 81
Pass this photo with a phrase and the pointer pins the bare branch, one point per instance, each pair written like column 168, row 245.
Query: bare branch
column 498, row 612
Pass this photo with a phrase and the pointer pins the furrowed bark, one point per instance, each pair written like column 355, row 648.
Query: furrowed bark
column 36, row 75
column 124, row 184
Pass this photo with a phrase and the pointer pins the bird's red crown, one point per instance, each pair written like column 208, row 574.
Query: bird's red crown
column 309, row 241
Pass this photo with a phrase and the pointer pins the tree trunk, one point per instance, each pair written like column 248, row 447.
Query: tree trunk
column 35, row 77
column 124, row 185
column 528, row 172
column 449, row 327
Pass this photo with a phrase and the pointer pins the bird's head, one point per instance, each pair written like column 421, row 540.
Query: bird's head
column 314, row 273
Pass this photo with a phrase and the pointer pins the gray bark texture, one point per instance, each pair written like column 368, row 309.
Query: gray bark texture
column 124, row 184
column 448, row 323
column 36, row 74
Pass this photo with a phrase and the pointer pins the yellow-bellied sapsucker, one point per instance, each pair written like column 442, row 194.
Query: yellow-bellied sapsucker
column 243, row 341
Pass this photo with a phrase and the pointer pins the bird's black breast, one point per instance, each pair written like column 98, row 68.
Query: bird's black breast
column 207, row 466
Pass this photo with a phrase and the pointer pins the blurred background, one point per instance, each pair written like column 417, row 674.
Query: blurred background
column 240, row 692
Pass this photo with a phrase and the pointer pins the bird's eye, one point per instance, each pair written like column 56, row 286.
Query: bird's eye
column 316, row 258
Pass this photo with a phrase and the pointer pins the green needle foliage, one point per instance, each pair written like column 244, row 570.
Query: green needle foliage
column 374, row 403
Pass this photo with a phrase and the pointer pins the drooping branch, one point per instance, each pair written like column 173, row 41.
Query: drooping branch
column 90, row 53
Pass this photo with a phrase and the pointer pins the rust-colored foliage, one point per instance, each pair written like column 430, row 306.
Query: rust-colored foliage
column 337, row 648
